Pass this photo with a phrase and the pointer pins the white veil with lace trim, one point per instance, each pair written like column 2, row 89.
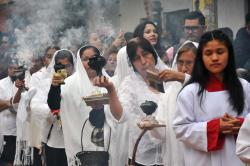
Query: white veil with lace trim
column 124, row 68
column 172, row 149
column 28, row 132
column 74, row 111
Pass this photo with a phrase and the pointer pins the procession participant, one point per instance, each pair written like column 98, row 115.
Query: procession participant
column 10, row 88
column 97, row 124
column 205, row 126
column 47, row 119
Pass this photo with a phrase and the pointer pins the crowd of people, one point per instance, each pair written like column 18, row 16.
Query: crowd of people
column 195, row 114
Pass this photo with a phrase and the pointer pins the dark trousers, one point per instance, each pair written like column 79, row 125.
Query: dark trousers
column 55, row 156
column 37, row 158
column 9, row 149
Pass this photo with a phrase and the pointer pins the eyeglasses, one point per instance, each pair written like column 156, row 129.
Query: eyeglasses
column 193, row 28
column 187, row 64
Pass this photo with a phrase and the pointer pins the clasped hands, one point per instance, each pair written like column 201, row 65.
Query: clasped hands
column 229, row 124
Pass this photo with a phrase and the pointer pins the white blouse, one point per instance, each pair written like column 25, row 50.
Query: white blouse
column 132, row 93
column 7, row 119
column 40, row 111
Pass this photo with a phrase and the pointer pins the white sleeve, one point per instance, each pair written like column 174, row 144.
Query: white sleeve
column 34, row 80
column 187, row 129
column 40, row 110
column 127, row 100
column 187, row 78
column 112, row 122
column 243, row 142
column 247, row 93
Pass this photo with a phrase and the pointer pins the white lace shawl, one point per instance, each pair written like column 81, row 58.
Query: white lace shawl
column 74, row 112
column 172, row 148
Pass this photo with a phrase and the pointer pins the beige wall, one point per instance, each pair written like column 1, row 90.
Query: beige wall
column 132, row 10
column 231, row 13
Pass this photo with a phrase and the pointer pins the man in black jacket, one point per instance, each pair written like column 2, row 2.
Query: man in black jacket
column 241, row 45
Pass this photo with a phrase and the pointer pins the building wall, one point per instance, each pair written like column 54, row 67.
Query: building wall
column 3, row 17
column 132, row 10
column 231, row 13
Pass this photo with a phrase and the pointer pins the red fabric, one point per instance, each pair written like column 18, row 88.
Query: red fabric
column 55, row 112
column 241, row 120
column 215, row 140
column 214, row 85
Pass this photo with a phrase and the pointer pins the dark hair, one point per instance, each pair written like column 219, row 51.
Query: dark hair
column 51, row 47
column 247, row 19
column 194, row 15
column 139, row 32
column 61, row 54
column 128, row 36
column 139, row 43
column 228, row 31
column 201, row 75
column 97, row 52
column 186, row 47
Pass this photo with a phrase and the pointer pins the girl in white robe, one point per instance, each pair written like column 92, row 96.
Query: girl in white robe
column 211, row 106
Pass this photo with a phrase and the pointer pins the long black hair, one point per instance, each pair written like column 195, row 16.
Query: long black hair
column 139, row 32
column 201, row 75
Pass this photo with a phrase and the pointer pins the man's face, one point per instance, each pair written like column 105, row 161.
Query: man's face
column 193, row 30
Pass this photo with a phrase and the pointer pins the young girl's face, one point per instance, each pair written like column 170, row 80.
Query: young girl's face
column 150, row 34
column 215, row 57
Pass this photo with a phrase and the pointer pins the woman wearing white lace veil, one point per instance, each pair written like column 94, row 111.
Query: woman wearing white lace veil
column 183, row 62
column 51, row 129
column 132, row 92
column 28, row 132
column 75, row 112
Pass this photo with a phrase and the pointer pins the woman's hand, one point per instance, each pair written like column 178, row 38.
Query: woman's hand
column 114, row 103
column 171, row 75
column 102, row 81
column 148, row 122
column 56, row 80
column 19, row 84
column 229, row 124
